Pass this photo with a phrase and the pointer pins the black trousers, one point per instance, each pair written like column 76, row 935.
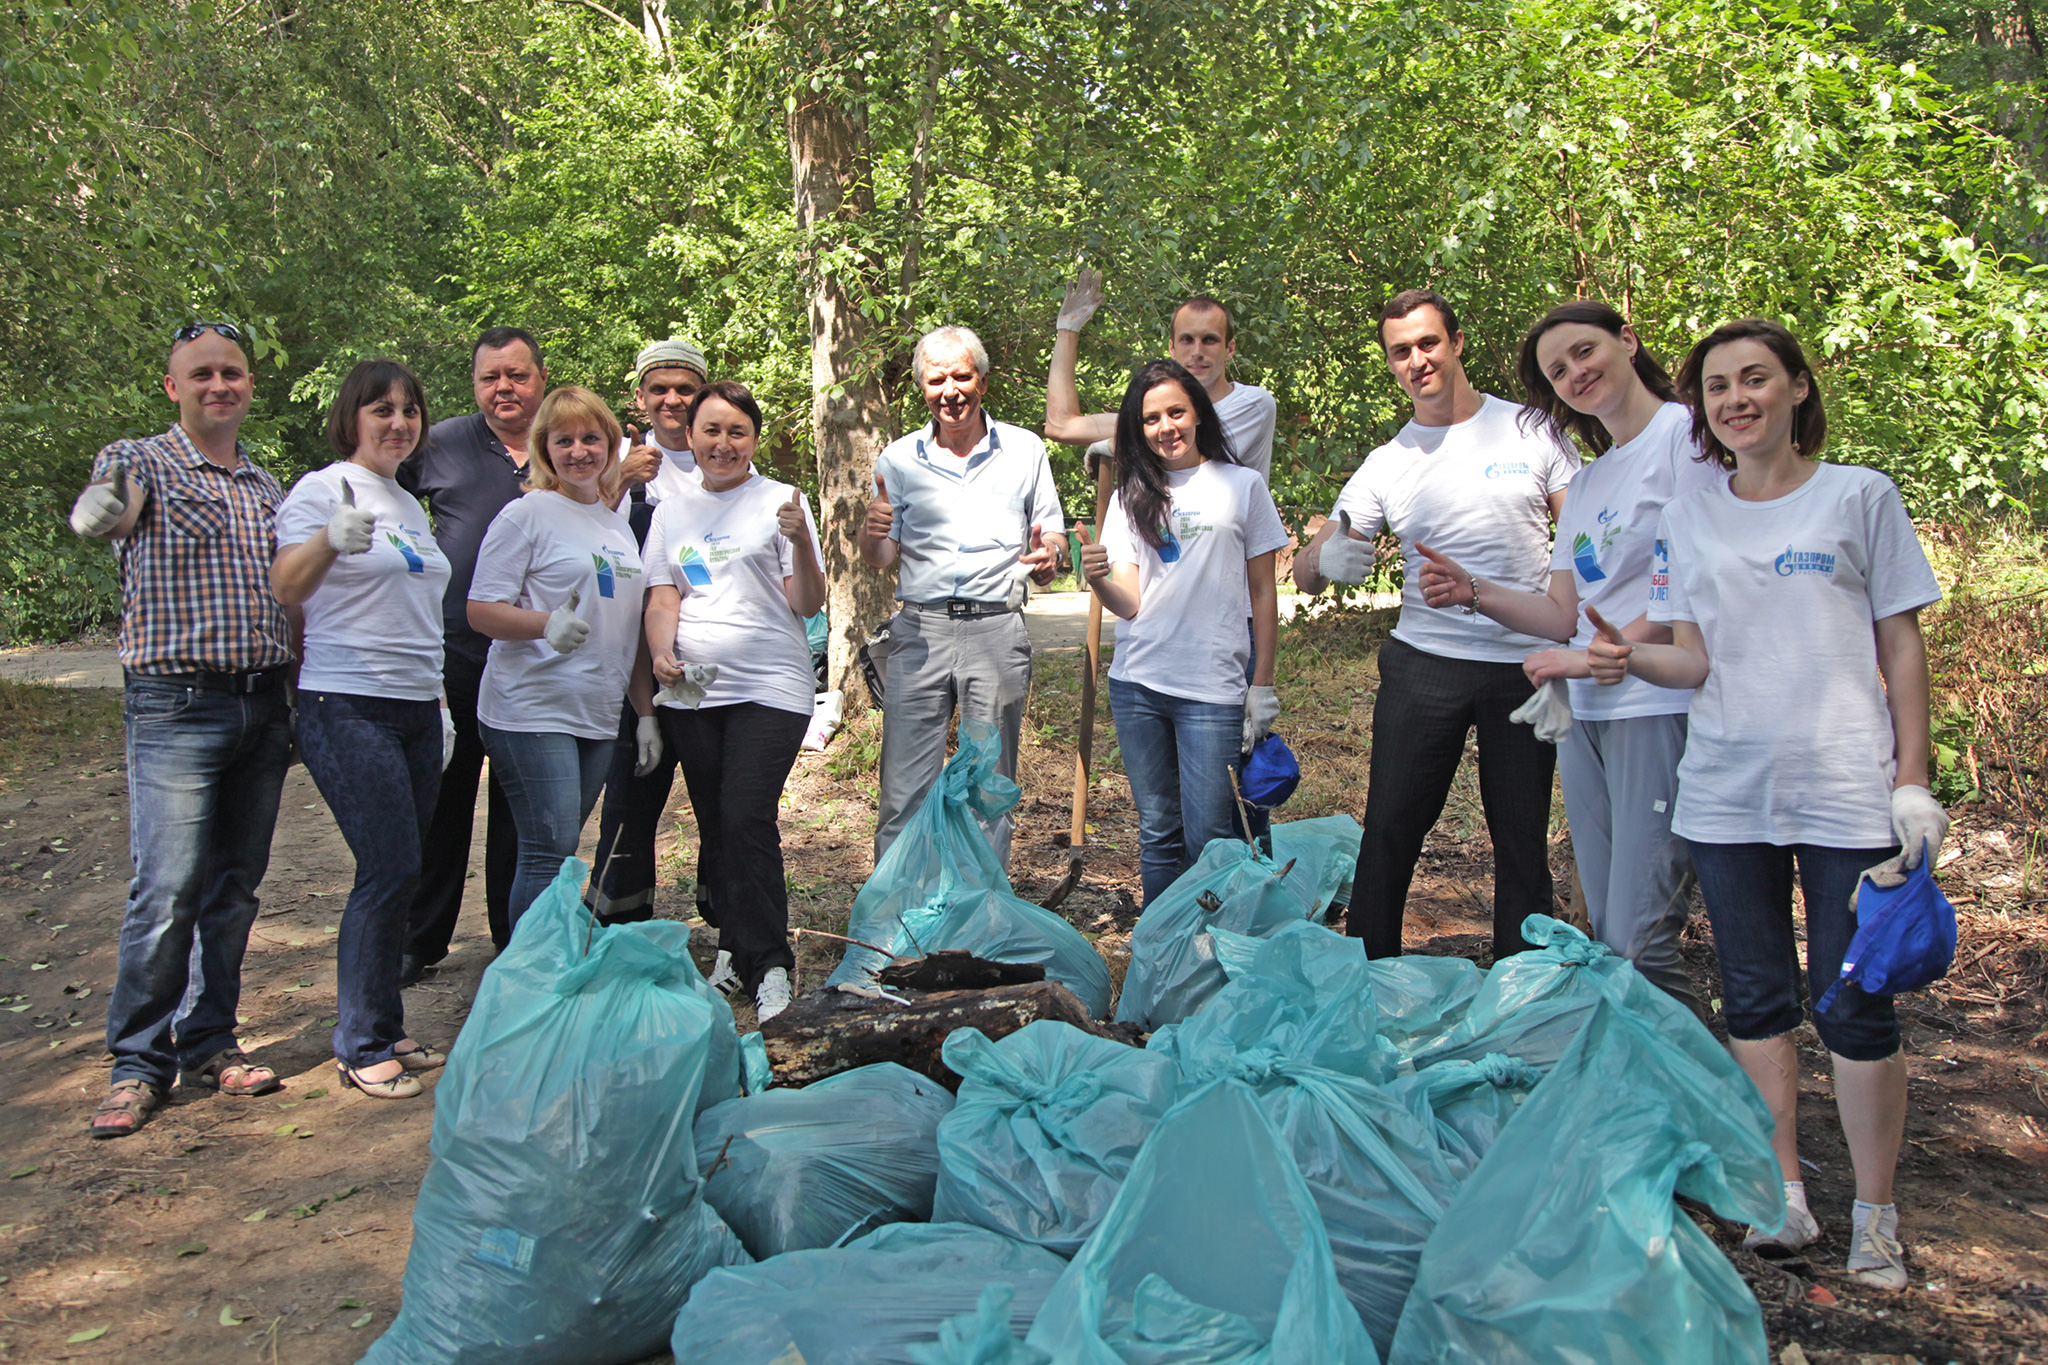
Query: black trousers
column 623, row 869
column 444, row 857
column 1426, row 706
column 735, row 760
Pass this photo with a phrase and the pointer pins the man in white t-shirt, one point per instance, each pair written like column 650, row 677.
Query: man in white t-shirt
column 1461, row 474
column 965, row 508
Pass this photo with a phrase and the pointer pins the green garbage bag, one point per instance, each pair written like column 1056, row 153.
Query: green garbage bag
column 560, row 1220
column 1421, row 998
column 1467, row 1103
column 940, row 885
column 876, row 1301
column 1565, row 1243
column 1213, row 1252
column 1046, row 1125
column 794, row 1169
column 981, row 1337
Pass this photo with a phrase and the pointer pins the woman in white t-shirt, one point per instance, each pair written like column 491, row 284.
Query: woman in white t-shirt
column 356, row 552
column 558, row 588
column 1793, row 592
column 1186, row 555
column 1585, row 375
column 732, row 571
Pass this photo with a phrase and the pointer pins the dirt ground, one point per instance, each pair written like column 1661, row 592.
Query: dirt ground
column 279, row 1226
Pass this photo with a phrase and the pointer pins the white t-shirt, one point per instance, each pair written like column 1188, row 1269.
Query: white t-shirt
column 1188, row 639
column 724, row 553
column 541, row 547
column 1790, row 741
column 1476, row 491
column 678, row 470
column 1248, row 415
column 373, row 627
column 1604, row 537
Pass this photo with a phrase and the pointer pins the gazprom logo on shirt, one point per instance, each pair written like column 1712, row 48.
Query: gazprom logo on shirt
column 1585, row 560
column 1803, row 561
column 1507, row 469
column 695, row 571
column 413, row 562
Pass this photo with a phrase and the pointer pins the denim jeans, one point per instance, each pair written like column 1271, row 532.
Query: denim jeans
column 735, row 760
column 1178, row 755
column 1748, row 891
column 205, row 770
column 444, row 871
column 551, row 781
column 377, row 761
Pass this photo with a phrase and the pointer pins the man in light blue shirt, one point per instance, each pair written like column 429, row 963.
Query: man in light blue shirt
column 966, row 510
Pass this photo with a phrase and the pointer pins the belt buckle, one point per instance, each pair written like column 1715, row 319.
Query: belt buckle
column 959, row 608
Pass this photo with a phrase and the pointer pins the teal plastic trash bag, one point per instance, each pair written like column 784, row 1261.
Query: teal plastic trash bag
column 1213, row 1252
column 1565, row 1244
column 560, row 1220
column 1467, row 1103
column 875, row 1301
column 981, row 1337
column 940, row 885
column 1304, row 993
column 1045, row 1126
column 756, row 1073
column 1327, row 847
column 793, row 1169
column 1420, row 998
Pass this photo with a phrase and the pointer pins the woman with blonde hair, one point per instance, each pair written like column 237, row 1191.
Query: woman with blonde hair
column 558, row 588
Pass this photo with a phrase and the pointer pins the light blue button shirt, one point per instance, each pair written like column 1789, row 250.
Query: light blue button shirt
column 962, row 525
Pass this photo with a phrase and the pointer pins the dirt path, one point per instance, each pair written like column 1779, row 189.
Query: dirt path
column 277, row 1228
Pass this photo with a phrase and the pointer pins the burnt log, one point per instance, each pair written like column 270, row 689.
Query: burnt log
column 954, row 969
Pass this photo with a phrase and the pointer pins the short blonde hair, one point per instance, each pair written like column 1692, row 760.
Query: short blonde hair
column 570, row 405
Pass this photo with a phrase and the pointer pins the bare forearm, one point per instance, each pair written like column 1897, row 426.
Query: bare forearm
column 503, row 621
column 1531, row 613
column 1902, row 660
column 1265, row 618
column 805, row 587
column 640, row 685
column 1668, row 665
column 299, row 570
column 1118, row 590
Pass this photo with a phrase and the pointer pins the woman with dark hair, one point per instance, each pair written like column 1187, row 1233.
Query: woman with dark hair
column 1186, row 556
column 1586, row 375
column 732, row 571
column 1793, row 592
column 356, row 552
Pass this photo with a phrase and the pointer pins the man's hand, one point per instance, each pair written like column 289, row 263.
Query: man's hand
column 350, row 530
column 647, row 744
column 1094, row 558
column 101, row 506
column 642, row 461
column 1444, row 581
column 1043, row 558
column 565, row 632
column 1347, row 556
column 1607, row 653
column 1084, row 296
column 1261, row 714
column 881, row 513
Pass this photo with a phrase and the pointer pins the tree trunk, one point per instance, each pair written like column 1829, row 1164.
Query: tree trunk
column 828, row 157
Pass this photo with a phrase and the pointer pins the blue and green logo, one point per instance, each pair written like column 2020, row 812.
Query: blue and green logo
column 1585, row 560
column 694, row 569
column 413, row 562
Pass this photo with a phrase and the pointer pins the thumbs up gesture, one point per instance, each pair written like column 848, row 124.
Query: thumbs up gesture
column 564, row 631
column 640, row 462
column 1094, row 557
column 1346, row 557
column 789, row 519
column 1042, row 557
column 1444, row 581
column 101, row 506
column 1608, row 652
column 348, row 530
column 881, row 513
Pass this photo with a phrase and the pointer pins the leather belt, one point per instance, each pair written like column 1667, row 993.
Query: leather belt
column 258, row 680
column 965, row 609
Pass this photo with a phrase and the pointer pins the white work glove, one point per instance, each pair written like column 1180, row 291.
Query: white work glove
column 1548, row 711
column 447, row 739
column 688, row 688
column 1344, row 558
column 101, row 506
column 564, row 630
column 1261, row 713
column 647, row 738
column 349, row 529
column 1916, row 818
column 1084, row 296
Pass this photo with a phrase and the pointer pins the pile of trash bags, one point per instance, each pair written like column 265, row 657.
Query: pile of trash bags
column 1311, row 1158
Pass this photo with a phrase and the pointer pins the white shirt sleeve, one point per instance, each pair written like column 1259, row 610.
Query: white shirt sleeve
column 1264, row 532
column 1559, row 466
column 1668, row 601
column 1045, row 500
column 502, row 562
column 306, row 511
column 875, row 482
column 1900, row 578
column 654, row 554
column 786, row 546
column 1361, row 498
column 1116, row 534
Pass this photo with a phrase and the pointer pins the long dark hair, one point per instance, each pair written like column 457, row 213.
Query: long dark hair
column 1546, row 409
column 1141, row 474
column 1809, row 419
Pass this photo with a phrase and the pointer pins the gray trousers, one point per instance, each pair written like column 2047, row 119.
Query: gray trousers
column 935, row 663
column 1620, row 780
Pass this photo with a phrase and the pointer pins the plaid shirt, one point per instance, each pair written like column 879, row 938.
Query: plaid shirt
column 195, row 573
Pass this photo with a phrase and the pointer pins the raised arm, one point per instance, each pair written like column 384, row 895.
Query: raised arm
column 1064, row 420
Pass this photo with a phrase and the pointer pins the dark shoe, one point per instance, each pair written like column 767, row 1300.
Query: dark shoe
column 411, row 970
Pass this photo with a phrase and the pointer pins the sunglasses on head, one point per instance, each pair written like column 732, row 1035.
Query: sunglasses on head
column 192, row 331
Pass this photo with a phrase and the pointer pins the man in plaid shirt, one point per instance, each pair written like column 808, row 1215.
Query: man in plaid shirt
column 206, row 652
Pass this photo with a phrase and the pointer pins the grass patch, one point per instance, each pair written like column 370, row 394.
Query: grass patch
column 44, row 727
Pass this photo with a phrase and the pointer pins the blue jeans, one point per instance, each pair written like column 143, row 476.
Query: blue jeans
column 205, row 770
column 1748, row 890
column 551, row 781
column 377, row 761
column 1178, row 755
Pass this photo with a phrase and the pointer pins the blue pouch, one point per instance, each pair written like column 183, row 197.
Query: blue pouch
column 1905, row 936
column 1270, row 773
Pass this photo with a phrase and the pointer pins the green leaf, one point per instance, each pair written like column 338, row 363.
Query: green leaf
column 89, row 1334
column 191, row 1249
column 228, row 1317
column 363, row 1321
column 256, row 1217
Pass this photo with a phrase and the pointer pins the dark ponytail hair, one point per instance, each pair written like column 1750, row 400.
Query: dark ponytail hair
column 1809, row 419
column 1141, row 474
column 1546, row 409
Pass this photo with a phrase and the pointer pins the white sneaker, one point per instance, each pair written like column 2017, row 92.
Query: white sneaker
column 1800, row 1230
column 723, row 977
column 1875, row 1256
column 772, row 997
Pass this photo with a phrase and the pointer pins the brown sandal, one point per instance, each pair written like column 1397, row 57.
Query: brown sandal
column 231, row 1073
column 131, row 1099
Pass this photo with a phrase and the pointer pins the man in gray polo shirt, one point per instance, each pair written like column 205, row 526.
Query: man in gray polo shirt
column 966, row 510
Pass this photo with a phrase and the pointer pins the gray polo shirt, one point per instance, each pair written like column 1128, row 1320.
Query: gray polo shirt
column 961, row 526
column 467, row 476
